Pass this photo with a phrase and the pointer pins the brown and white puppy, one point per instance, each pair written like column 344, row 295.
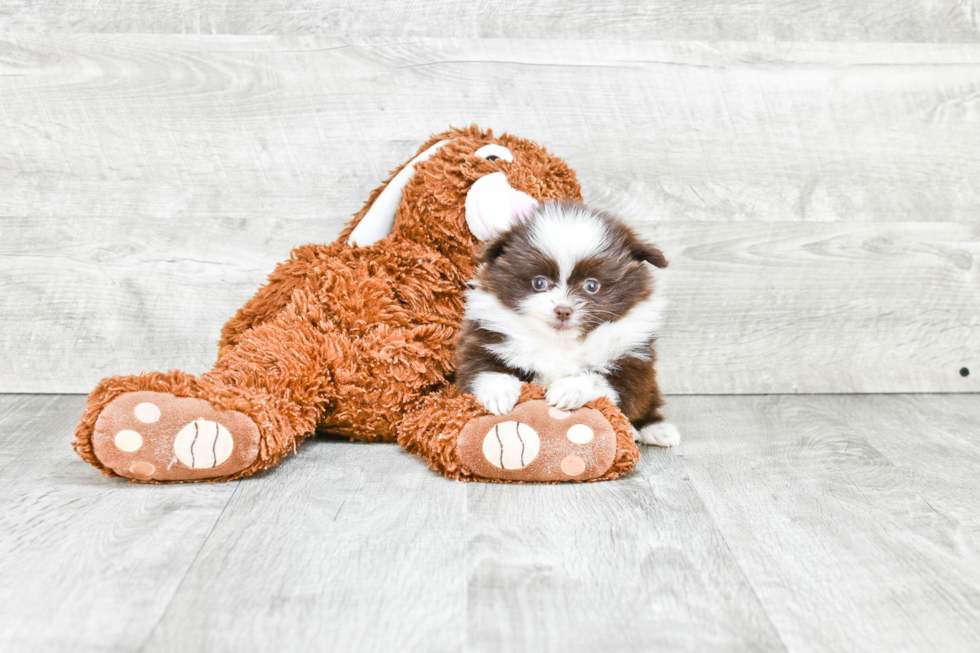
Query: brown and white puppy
column 567, row 299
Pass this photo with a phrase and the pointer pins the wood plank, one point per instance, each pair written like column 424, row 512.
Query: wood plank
column 346, row 547
column 104, row 298
column 190, row 127
column 841, row 550
column 754, row 307
column 945, row 446
column 820, row 308
column 21, row 415
column 780, row 523
column 785, row 20
column 147, row 173
column 88, row 563
column 632, row 565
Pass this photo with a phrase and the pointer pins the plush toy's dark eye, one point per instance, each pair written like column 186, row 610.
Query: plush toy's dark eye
column 539, row 283
column 591, row 286
column 494, row 152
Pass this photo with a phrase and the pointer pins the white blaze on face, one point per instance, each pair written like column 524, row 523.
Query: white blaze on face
column 566, row 235
column 541, row 305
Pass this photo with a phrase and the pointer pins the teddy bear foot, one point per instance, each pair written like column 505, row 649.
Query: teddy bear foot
column 534, row 443
column 538, row 443
column 156, row 436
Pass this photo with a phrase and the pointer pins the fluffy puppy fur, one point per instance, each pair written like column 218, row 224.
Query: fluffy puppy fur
column 566, row 299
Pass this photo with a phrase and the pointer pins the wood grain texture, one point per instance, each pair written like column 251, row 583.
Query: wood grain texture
column 820, row 308
column 787, row 20
column 87, row 563
column 842, row 542
column 90, row 298
column 631, row 565
column 946, row 446
column 345, row 547
column 753, row 307
column 781, row 523
column 151, row 183
column 171, row 127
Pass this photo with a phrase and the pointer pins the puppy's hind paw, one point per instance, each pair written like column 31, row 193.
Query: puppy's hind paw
column 660, row 434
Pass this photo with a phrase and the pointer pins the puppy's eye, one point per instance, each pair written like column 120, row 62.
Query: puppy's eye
column 591, row 286
column 539, row 283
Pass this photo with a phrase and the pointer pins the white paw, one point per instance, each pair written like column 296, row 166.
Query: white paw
column 575, row 391
column 497, row 392
column 661, row 434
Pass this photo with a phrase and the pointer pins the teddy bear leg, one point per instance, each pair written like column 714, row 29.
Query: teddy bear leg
column 258, row 402
column 534, row 443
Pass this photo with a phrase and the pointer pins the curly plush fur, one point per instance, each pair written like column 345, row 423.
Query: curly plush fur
column 352, row 339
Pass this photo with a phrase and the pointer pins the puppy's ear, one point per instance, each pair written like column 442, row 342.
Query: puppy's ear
column 638, row 249
column 494, row 249
column 642, row 251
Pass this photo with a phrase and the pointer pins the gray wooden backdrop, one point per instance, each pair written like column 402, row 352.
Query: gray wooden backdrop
column 810, row 168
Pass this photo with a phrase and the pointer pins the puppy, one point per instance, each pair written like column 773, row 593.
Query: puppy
column 566, row 299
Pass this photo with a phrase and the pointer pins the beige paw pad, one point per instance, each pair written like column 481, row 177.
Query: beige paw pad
column 142, row 469
column 128, row 441
column 580, row 434
column 511, row 445
column 572, row 465
column 203, row 444
column 147, row 413
column 558, row 413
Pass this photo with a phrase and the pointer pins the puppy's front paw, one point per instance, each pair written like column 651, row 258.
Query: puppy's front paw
column 575, row 391
column 660, row 434
column 497, row 392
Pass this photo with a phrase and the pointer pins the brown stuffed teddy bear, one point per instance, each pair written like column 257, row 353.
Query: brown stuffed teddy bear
column 356, row 338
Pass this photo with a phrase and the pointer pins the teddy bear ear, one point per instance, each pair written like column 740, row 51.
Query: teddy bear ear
column 380, row 218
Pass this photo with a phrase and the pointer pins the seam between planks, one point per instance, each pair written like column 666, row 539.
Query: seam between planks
column 734, row 558
column 197, row 555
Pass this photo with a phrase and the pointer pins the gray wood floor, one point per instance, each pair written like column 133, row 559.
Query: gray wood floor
column 796, row 523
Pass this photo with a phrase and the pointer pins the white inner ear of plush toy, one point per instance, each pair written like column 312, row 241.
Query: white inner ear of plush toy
column 380, row 218
column 493, row 206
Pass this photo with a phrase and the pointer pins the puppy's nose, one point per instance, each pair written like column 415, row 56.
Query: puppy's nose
column 563, row 312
